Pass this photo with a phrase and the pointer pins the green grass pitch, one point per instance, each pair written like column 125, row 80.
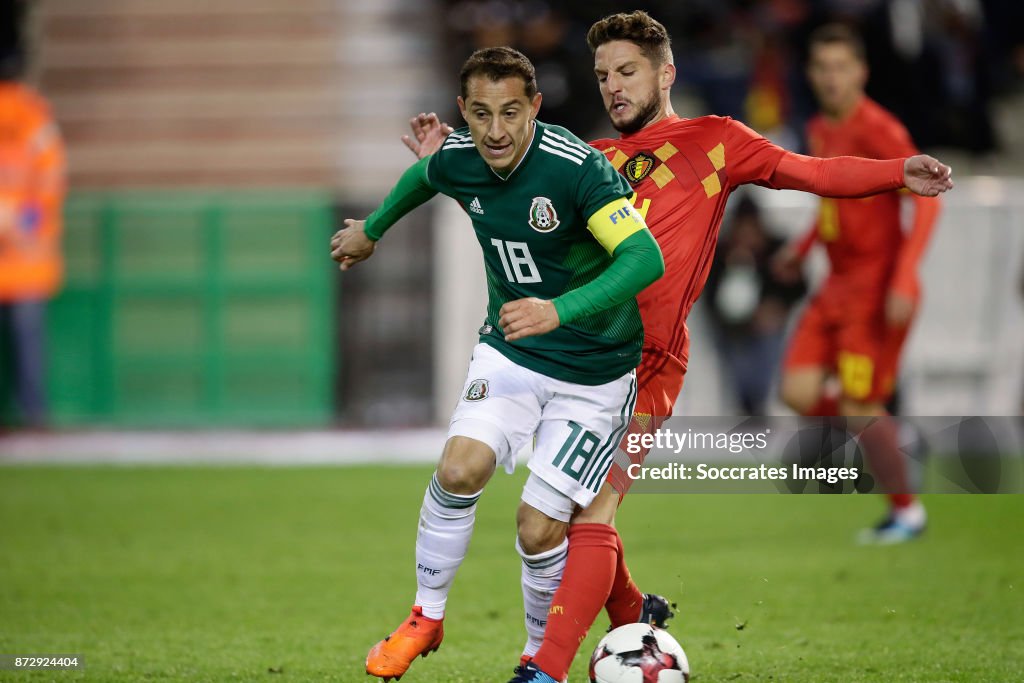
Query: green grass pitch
column 291, row 574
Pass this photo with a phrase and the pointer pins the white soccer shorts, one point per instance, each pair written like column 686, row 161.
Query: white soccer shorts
column 578, row 427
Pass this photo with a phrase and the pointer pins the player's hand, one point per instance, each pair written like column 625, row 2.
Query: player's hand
column 350, row 245
column 786, row 265
column 899, row 309
column 527, row 318
column 428, row 132
column 926, row 176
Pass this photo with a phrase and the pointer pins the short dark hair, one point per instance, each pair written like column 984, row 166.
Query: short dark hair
column 497, row 63
column 637, row 27
column 838, row 34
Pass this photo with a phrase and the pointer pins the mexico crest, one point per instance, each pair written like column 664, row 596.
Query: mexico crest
column 477, row 390
column 638, row 168
column 543, row 217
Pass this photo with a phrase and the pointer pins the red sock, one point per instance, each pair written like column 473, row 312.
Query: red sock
column 625, row 600
column 589, row 571
column 887, row 462
column 827, row 406
column 901, row 500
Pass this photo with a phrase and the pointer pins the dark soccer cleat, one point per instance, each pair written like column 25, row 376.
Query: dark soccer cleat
column 899, row 527
column 656, row 611
column 529, row 673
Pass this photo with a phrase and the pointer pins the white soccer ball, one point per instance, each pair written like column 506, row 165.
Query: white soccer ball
column 639, row 653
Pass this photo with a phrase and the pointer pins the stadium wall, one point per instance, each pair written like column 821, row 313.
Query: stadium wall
column 194, row 309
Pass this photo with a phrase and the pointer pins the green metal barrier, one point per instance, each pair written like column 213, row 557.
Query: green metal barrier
column 194, row 309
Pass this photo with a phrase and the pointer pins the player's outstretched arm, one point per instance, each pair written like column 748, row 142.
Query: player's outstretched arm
column 846, row 177
column 354, row 243
column 428, row 132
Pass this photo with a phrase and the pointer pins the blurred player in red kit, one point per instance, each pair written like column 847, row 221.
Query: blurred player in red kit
column 855, row 326
column 682, row 171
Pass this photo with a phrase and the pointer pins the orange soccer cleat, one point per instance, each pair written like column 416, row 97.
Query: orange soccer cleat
column 417, row 636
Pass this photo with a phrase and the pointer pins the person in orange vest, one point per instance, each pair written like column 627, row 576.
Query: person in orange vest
column 32, row 183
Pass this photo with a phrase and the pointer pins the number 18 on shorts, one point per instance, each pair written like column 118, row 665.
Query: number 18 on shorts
column 578, row 427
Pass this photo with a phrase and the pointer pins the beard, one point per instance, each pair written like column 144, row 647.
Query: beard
column 645, row 113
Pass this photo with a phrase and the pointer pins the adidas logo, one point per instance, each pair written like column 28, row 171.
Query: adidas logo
column 474, row 206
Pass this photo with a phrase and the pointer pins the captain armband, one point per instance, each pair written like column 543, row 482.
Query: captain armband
column 614, row 222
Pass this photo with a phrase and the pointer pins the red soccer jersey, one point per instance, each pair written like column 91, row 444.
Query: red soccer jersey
column 683, row 171
column 863, row 237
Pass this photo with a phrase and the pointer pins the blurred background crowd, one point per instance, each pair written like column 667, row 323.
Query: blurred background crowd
column 937, row 64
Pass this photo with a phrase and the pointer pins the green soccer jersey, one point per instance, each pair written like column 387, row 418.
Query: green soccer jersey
column 532, row 228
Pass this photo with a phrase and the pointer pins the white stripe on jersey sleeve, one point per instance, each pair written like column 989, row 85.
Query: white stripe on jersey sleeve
column 586, row 149
column 565, row 155
column 452, row 145
column 565, row 148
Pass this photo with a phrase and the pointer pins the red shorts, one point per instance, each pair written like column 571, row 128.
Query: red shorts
column 861, row 349
column 659, row 381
